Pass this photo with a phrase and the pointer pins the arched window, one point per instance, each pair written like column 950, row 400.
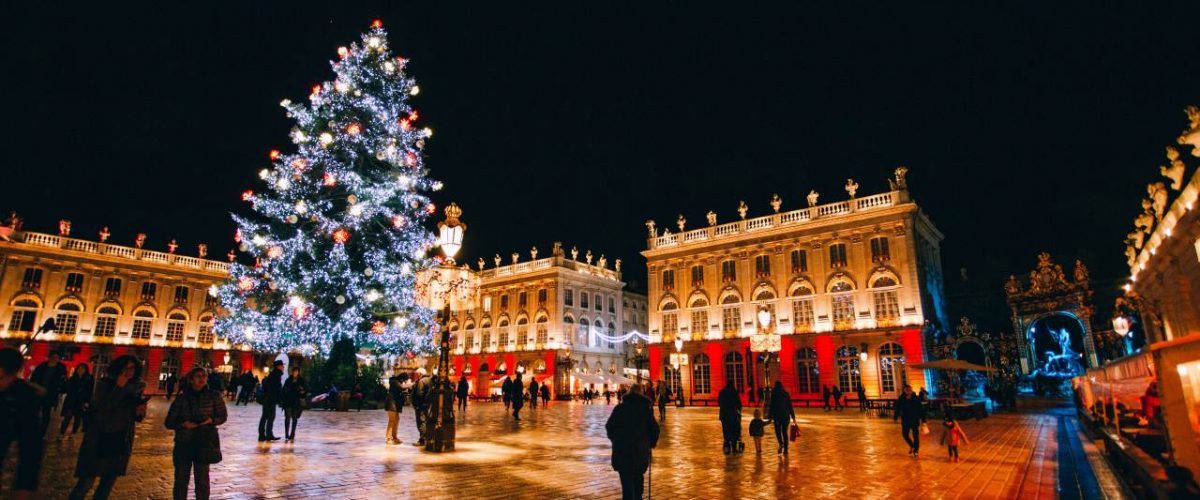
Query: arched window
column 849, row 374
column 522, row 332
column 206, row 333
column 672, row 375
column 584, row 326
column 807, row 372
column 175, row 327
column 502, row 368
column 701, row 375
column 483, row 368
column 106, row 322
column 543, row 334
column 568, row 319
column 67, row 320
column 143, row 321
column 24, row 316
column 502, row 340
column 891, row 368
column 699, row 323
column 734, row 370
column 594, row 341
column 669, row 305
column 887, row 303
column 764, row 295
column 842, row 304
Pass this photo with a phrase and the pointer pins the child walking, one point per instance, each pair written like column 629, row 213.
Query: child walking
column 757, row 429
column 951, row 436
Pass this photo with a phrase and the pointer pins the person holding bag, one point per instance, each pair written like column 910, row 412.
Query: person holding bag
column 194, row 416
column 911, row 414
column 117, row 405
column 782, row 414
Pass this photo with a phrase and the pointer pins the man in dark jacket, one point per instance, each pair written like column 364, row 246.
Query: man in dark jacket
column 837, row 398
column 506, row 392
column 730, row 413
column 533, row 394
column 911, row 413
column 518, row 396
column 420, row 402
column 633, row 432
column 272, row 387
column 782, row 414
column 20, row 403
column 462, row 392
column 49, row 375
column 825, row 396
column 862, row 398
column 247, row 383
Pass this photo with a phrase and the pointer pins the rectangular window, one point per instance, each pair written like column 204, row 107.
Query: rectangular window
column 701, row 378
column 22, row 320
column 541, row 296
column 879, row 249
column 487, row 303
column 843, row 311
column 728, row 271
column 670, row 324
column 206, row 333
column 149, row 290
column 503, row 339
column 522, row 299
column 504, row 301
column 522, row 337
column 74, row 282
column 697, row 276
column 543, row 335
column 802, row 315
column 112, row 287
column 175, row 331
column 66, row 323
column 469, row 341
column 32, row 279
column 887, row 306
column 141, row 329
column 668, row 279
column 612, row 305
column 569, row 297
column 799, row 261
column 210, row 301
column 583, row 300
column 699, row 322
column 762, row 266
column 731, row 320
column 837, row 255
column 486, row 340
column 106, row 326
column 181, row 294
column 599, row 302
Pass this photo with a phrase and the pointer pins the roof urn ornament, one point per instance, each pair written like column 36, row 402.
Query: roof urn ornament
column 899, row 182
column 202, row 250
column 603, row 262
column 1191, row 136
column 14, row 221
column 533, row 253
column 496, row 259
column 104, row 234
column 574, row 253
column 480, row 263
column 742, row 209
column 231, row 256
column 712, row 218
column 813, row 195
column 1175, row 171
column 851, row 187
column 172, row 246
column 649, row 227
column 617, row 265
column 1144, row 221
column 64, row 228
column 557, row 251
column 140, row 240
column 776, row 202
column 1136, row 238
column 515, row 256
column 681, row 222
column 588, row 257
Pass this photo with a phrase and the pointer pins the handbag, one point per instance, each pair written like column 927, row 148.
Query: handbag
column 924, row 429
column 794, row 432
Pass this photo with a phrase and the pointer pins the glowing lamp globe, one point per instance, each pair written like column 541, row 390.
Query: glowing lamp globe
column 764, row 317
column 1121, row 325
column 450, row 232
column 678, row 344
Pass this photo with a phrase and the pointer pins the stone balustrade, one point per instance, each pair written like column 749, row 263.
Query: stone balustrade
column 92, row 247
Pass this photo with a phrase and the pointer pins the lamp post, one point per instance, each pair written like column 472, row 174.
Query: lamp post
column 637, row 360
column 442, row 288
column 765, row 342
column 678, row 360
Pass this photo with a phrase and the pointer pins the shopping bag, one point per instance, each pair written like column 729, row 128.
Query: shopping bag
column 924, row 429
column 794, row 432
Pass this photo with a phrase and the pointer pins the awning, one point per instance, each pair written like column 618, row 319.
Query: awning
column 619, row 379
column 588, row 378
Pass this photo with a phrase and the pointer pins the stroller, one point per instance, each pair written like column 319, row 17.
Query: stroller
column 731, row 428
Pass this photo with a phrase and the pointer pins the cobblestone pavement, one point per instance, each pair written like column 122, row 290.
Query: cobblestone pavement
column 562, row 452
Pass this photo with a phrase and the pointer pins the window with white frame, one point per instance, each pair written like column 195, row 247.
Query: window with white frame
column 701, row 374
column 175, row 323
column 849, row 375
column 67, row 320
column 808, row 373
column 582, row 337
column 205, row 331
column 106, row 322
column 74, row 283
column 143, row 322
column 24, row 316
column 887, row 303
column 699, row 321
column 891, row 367
column 599, row 302
column 731, row 320
column 735, row 372
column 670, row 324
column 569, row 297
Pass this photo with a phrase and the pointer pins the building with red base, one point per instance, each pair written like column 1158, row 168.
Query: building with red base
column 849, row 288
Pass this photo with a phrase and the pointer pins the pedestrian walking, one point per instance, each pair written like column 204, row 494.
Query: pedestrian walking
column 837, row 398
column 664, row 396
column 394, row 404
column 730, row 413
column 20, row 407
column 924, row 395
column 194, row 416
column 246, row 384
column 862, row 398
column 506, row 390
column 78, row 390
column 518, row 391
column 420, row 401
column 272, row 389
column 170, row 382
column 633, row 432
column 293, row 398
column 533, row 394
column 782, row 414
column 825, row 395
column 952, row 434
column 911, row 414
column 117, row 405
column 757, row 427
column 216, row 382
column 545, row 395
column 464, row 390
column 50, row 376
column 608, row 397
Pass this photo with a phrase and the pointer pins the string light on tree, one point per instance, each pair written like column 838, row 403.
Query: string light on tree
column 327, row 269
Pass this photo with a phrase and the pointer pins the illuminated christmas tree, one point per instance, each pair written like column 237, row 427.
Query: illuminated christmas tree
column 339, row 232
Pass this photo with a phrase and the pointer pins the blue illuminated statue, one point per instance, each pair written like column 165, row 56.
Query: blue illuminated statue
column 1064, row 364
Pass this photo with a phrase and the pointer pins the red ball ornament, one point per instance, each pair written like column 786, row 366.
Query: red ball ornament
column 377, row 24
column 413, row 116
column 353, row 129
column 245, row 284
column 329, row 179
column 378, row 328
column 343, row 52
column 274, row 154
column 316, row 89
column 299, row 164
column 405, row 124
column 398, row 221
column 410, row 159
column 247, row 194
column 341, row 235
column 237, row 236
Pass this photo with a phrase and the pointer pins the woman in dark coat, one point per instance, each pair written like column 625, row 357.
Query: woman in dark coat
column 394, row 405
column 79, row 395
column 782, row 414
column 633, row 432
column 194, row 416
column 292, row 398
column 730, row 405
column 518, row 397
column 117, row 405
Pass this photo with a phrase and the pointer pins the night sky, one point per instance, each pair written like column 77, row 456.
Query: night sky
column 1024, row 128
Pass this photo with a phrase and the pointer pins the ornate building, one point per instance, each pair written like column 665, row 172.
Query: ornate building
column 849, row 286
column 545, row 318
column 93, row 301
column 1049, row 292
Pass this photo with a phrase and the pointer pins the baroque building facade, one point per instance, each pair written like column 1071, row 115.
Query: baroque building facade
column 850, row 287
column 92, row 301
column 548, row 319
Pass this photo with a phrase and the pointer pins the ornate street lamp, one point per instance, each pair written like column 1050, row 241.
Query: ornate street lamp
column 445, row 288
column 765, row 342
